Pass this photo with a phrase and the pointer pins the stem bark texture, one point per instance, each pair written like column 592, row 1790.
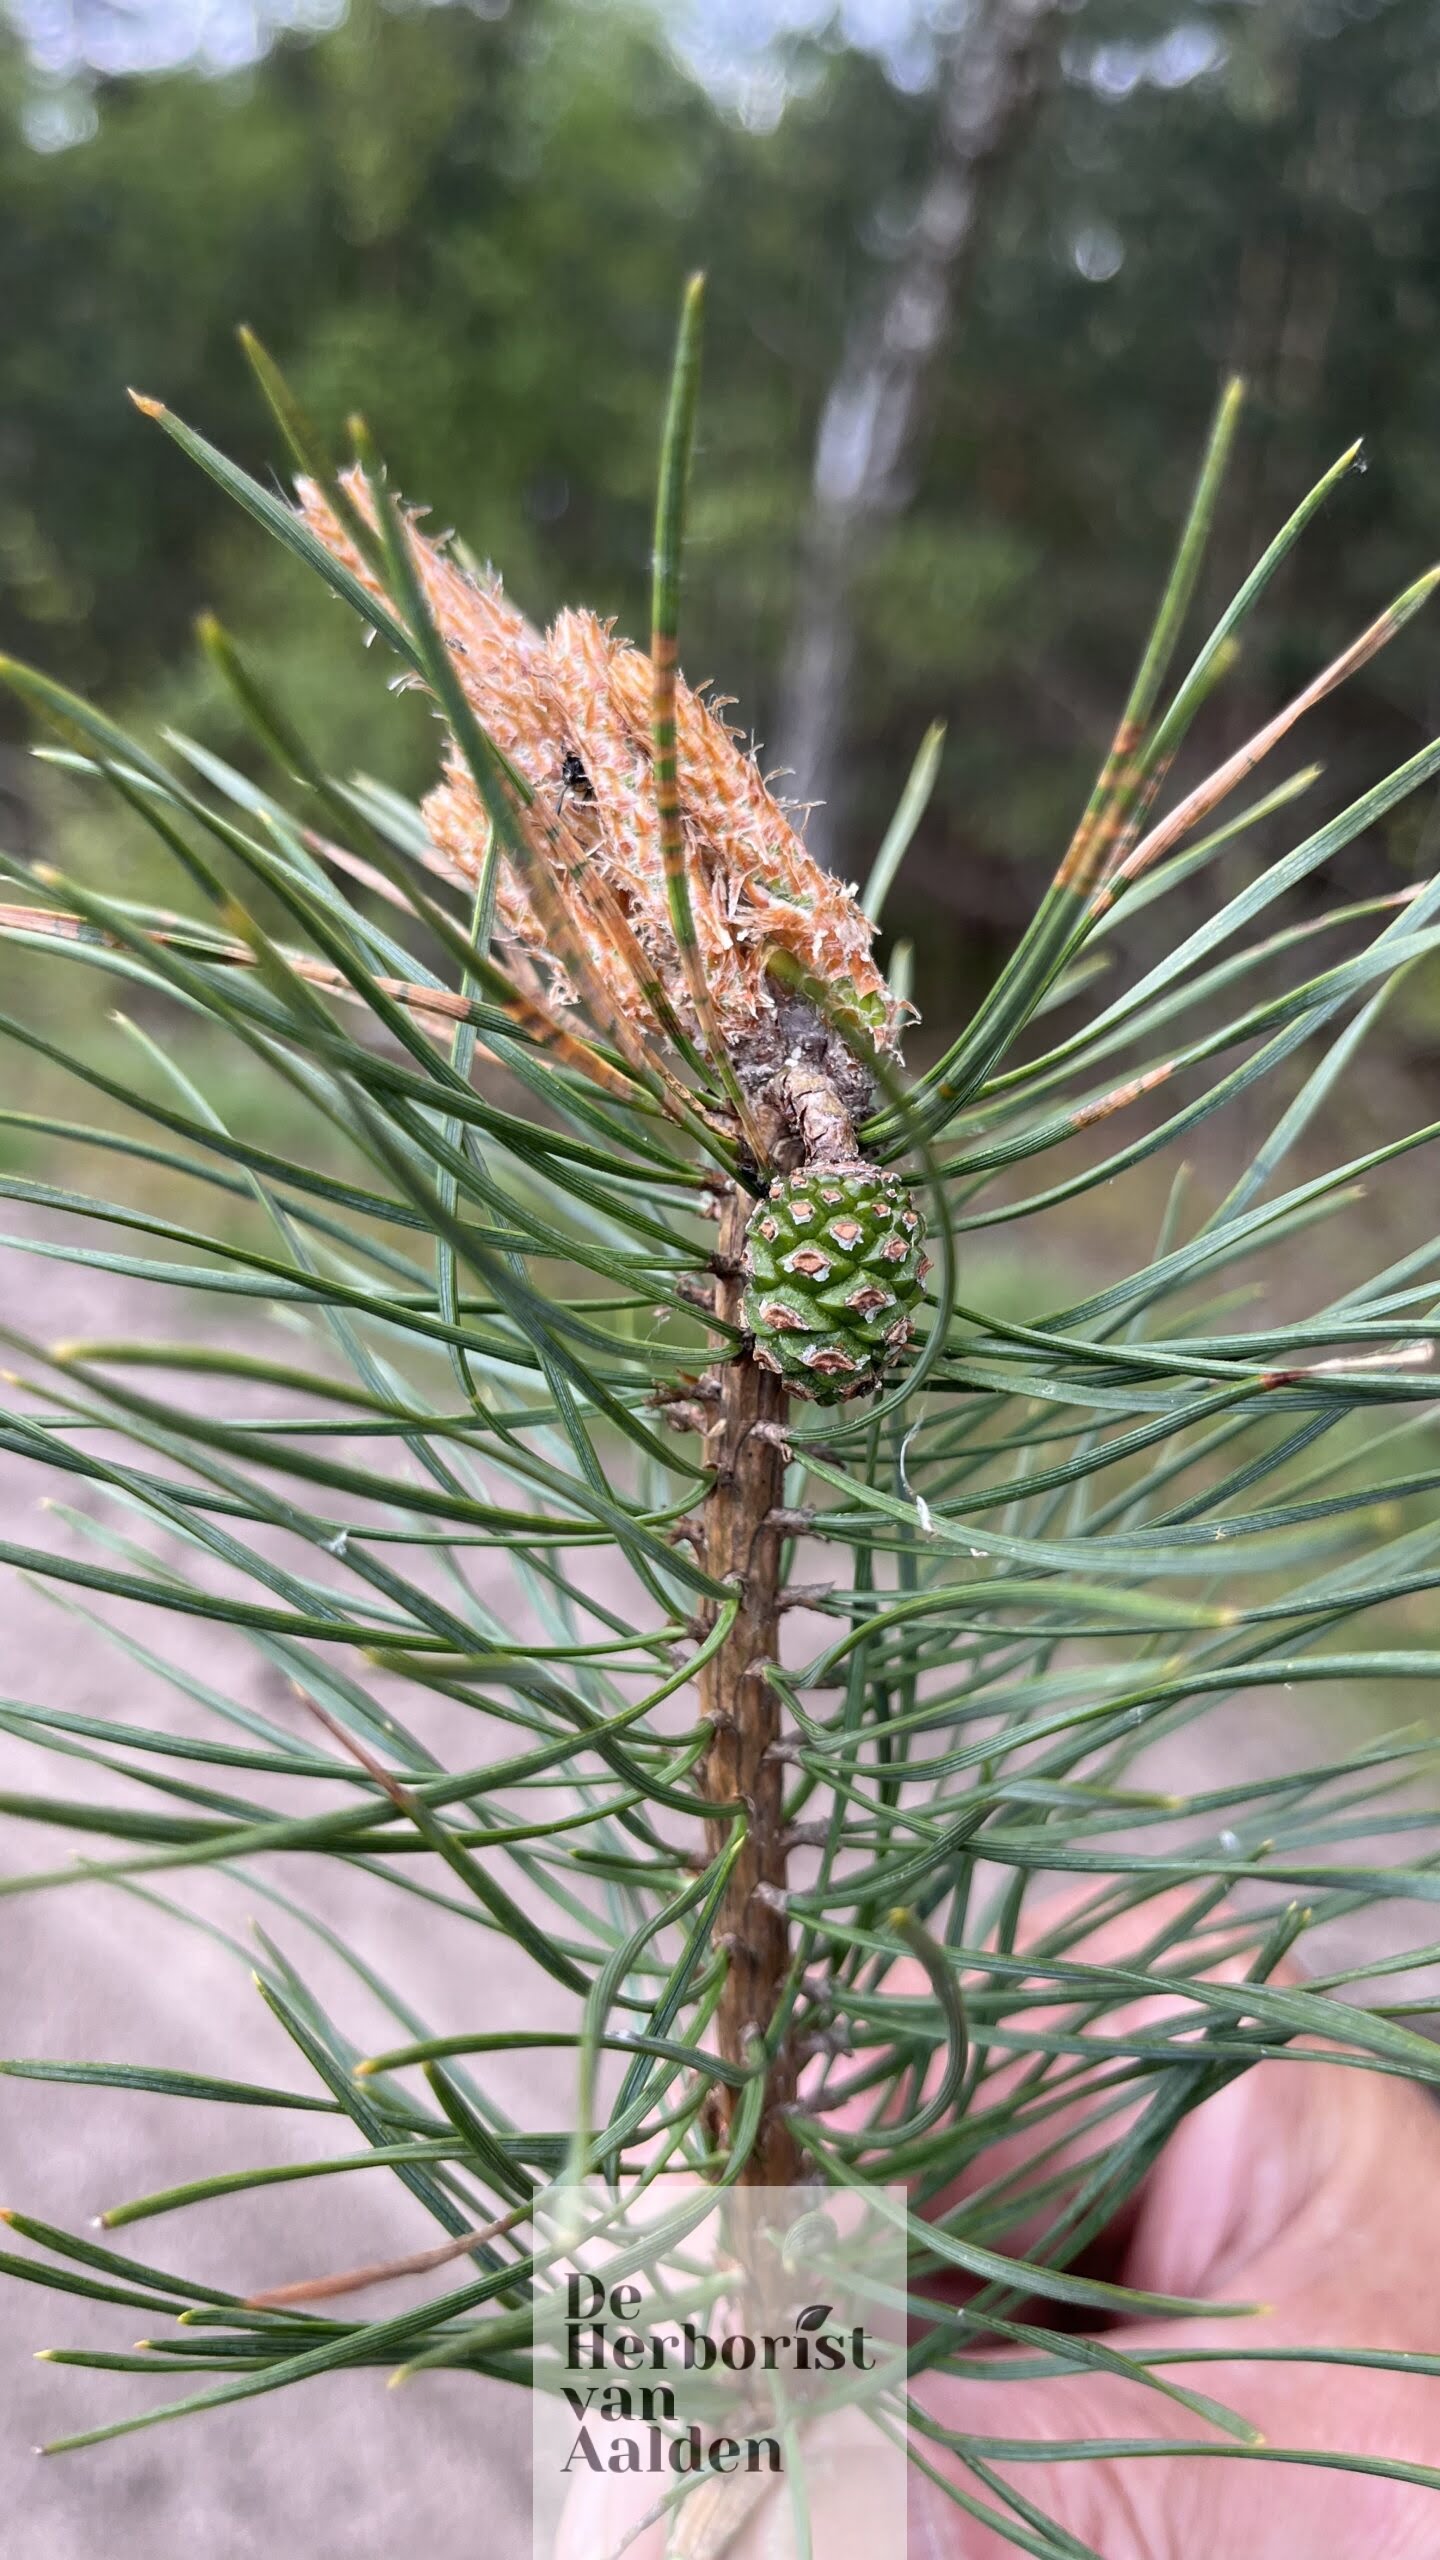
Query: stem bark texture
column 742, row 1546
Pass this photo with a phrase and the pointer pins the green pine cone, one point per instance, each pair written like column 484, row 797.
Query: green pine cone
column 833, row 1266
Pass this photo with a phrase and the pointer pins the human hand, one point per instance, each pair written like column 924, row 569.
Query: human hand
column 1306, row 2185
column 1313, row 2189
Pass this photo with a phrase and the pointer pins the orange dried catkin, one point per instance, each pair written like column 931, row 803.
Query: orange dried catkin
column 574, row 700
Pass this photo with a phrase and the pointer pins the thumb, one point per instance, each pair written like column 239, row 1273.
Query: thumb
column 1305, row 2186
column 1087, row 2454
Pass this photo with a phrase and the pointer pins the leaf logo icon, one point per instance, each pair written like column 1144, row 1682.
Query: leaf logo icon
column 815, row 2316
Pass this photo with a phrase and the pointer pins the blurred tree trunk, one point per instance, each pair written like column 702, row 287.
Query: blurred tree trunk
column 988, row 80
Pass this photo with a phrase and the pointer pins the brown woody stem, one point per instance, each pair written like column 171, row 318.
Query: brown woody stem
column 741, row 1545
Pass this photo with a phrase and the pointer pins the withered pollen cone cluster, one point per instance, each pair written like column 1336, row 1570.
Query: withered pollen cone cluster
column 833, row 1260
column 570, row 709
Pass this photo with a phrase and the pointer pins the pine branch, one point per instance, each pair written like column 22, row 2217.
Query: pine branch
column 742, row 1548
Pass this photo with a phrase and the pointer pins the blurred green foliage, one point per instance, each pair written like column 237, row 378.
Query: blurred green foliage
column 472, row 222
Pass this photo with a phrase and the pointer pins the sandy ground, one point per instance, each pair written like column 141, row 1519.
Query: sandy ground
column 341, row 2468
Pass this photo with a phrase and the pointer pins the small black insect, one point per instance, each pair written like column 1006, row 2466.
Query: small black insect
column 575, row 782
